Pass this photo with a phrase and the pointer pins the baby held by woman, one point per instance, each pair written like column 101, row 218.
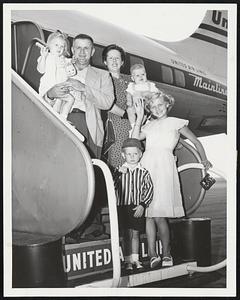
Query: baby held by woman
column 138, row 89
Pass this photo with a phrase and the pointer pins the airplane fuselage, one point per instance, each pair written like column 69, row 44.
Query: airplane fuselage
column 200, row 96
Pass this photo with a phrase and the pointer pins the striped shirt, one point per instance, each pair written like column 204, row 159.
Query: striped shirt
column 134, row 187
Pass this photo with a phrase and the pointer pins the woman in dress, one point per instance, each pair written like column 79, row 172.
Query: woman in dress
column 114, row 57
column 162, row 134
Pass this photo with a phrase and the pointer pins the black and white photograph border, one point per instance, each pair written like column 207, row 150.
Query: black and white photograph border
column 197, row 63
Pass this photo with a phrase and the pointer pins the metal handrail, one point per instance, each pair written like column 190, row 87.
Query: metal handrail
column 33, row 42
column 112, row 204
column 192, row 269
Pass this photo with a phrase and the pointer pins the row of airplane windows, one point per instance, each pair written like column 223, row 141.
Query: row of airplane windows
column 155, row 71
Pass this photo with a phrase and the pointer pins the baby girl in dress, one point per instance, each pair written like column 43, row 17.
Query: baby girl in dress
column 162, row 134
column 56, row 68
column 139, row 88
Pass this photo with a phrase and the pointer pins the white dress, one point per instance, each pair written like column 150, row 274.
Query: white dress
column 140, row 88
column 161, row 138
column 55, row 72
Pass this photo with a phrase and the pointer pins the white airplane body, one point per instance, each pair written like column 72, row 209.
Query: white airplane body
column 201, row 95
column 212, row 38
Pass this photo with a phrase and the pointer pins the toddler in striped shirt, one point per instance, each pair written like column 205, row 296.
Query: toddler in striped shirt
column 134, row 193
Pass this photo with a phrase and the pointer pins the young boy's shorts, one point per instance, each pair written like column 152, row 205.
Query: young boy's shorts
column 127, row 220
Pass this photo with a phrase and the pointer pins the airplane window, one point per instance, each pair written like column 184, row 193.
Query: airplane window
column 167, row 74
column 153, row 70
column 46, row 34
column 97, row 58
column 136, row 60
column 179, row 78
column 125, row 69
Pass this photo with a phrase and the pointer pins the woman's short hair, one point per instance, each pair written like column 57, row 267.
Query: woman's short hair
column 64, row 37
column 113, row 47
column 149, row 99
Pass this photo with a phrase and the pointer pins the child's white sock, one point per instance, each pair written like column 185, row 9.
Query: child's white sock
column 128, row 259
column 135, row 257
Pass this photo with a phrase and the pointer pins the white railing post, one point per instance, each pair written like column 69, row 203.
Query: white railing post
column 112, row 206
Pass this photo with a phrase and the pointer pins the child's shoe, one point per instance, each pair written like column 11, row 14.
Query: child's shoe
column 167, row 261
column 138, row 264
column 128, row 266
column 155, row 261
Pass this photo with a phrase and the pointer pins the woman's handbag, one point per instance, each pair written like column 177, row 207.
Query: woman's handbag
column 207, row 182
column 109, row 137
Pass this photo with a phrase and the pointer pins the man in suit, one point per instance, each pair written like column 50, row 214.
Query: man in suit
column 96, row 85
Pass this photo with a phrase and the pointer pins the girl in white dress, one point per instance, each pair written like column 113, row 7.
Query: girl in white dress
column 162, row 134
column 56, row 68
